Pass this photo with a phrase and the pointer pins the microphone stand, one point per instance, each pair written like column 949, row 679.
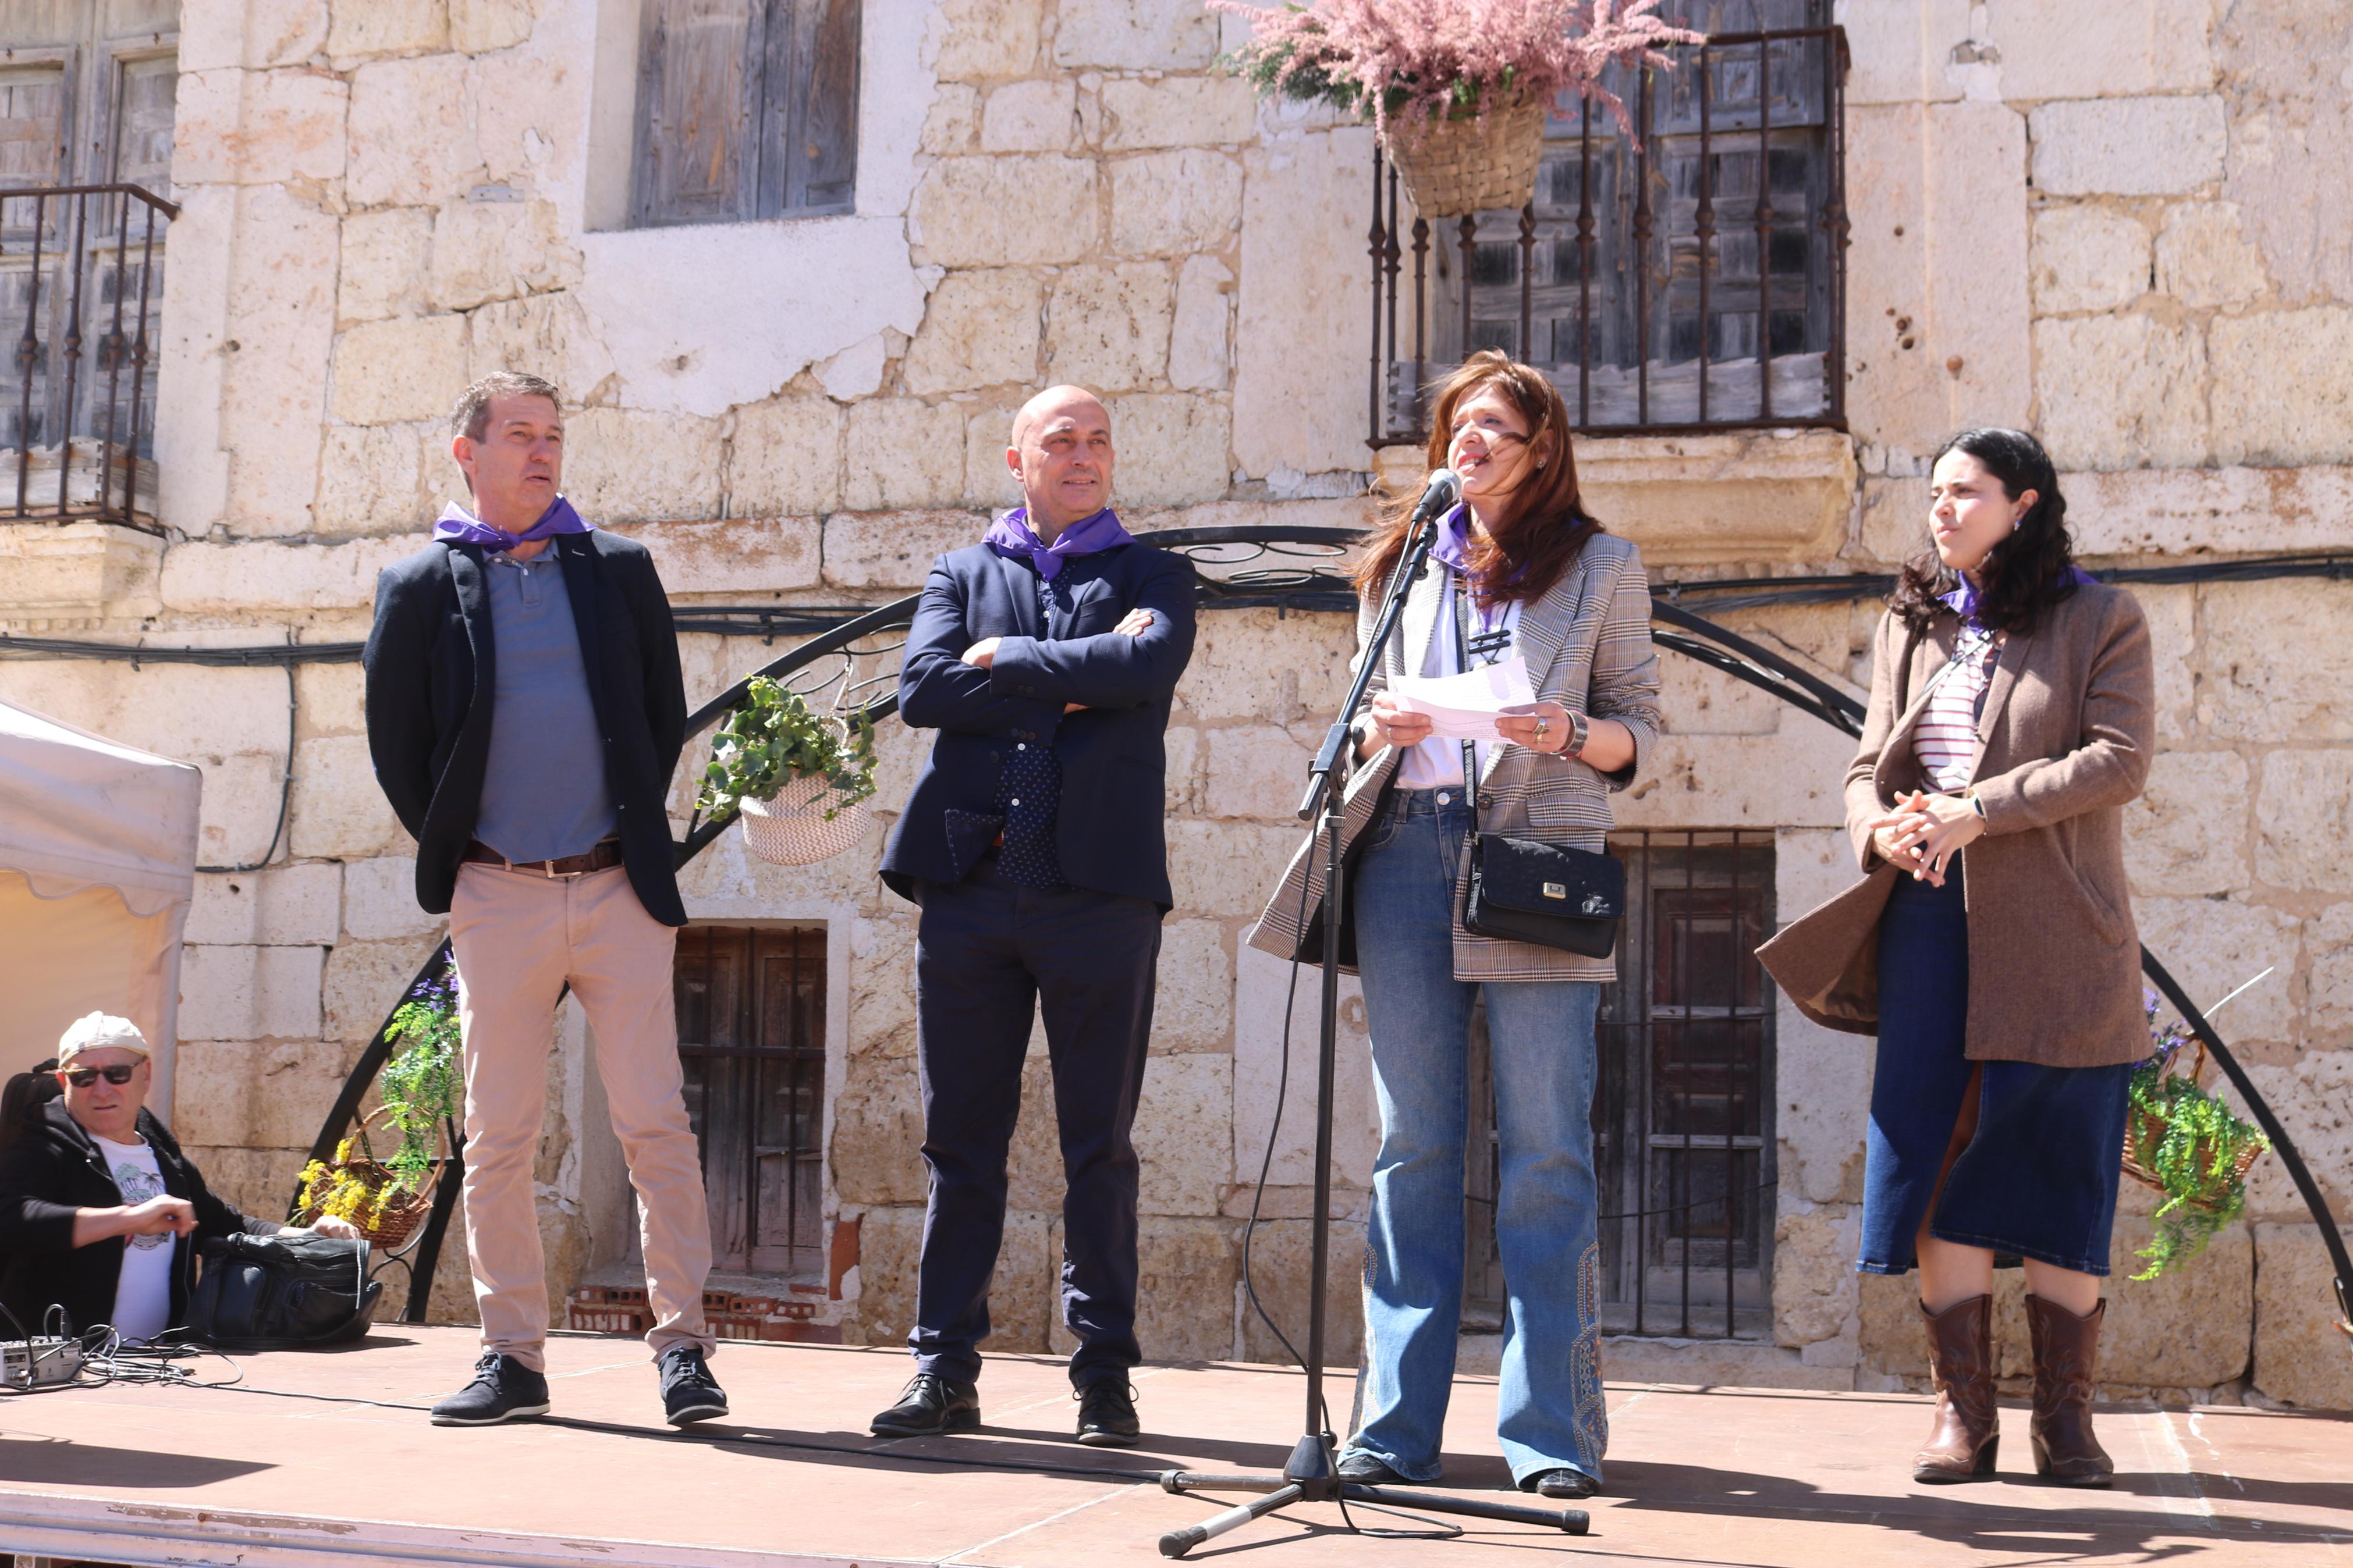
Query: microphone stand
column 1311, row 1474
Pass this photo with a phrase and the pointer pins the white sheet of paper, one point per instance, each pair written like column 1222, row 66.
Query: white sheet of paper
column 1464, row 707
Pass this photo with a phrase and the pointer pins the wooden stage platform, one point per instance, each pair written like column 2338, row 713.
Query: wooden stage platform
column 294, row 1467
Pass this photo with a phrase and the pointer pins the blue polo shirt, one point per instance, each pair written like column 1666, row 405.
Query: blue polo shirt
column 544, row 794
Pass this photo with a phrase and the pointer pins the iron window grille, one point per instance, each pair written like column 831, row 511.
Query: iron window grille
column 1648, row 270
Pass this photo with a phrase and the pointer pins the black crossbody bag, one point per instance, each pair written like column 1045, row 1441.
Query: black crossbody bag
column 1522, row 890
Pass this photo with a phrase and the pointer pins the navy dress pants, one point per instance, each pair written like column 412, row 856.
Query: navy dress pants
column 990, row 953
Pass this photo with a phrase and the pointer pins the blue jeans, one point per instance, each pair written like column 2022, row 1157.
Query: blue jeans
column 1541, row 1042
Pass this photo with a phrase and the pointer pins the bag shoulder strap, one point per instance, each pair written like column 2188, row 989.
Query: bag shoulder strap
column 1459, row 603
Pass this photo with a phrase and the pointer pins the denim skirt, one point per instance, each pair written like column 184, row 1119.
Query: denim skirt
column 2038, row 1179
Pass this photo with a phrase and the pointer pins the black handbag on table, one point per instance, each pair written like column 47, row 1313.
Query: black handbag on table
column 1522, row 890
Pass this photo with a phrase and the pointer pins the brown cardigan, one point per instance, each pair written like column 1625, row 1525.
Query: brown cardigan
column 2063, row 745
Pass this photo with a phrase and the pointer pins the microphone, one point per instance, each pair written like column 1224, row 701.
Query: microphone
column 1443, row 490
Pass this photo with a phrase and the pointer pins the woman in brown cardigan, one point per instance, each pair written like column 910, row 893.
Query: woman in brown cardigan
column 1991, row 946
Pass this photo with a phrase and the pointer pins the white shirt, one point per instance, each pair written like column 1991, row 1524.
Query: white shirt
column 1437, row 763
column 142, row 1293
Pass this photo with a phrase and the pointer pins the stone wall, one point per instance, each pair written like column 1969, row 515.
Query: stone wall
column 2123, row 225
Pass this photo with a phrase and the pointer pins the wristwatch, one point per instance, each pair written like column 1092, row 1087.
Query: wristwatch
column 1579, row 730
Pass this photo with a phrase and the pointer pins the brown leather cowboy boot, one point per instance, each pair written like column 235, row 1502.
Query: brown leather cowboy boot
column 2066, row 1359
column 1961, row 1446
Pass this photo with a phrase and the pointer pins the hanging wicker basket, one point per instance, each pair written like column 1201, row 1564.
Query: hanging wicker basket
column 793, row 828
column 1454, row 166
column 2144, row 1132
column 390, row 1213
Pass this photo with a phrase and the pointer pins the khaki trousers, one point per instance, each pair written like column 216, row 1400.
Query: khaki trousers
column 518, row 938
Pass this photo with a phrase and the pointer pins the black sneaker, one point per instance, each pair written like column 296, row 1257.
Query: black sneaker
column 1107, row 1414
column 1568, row 1485
column 1368, row 1469
column 503, row 1390
column 688, row 1394
column 931, row 1405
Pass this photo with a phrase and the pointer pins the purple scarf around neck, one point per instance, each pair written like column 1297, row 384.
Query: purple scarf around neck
column 1964, row 600
column 1011, row 535
column 457, row 522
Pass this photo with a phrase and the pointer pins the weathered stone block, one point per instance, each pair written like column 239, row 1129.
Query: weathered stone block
column 245, row 1093
column 2087, row 258
column 993, row 212
column 1260, row 984
column 1173, row 447
column 1903, row 54
column 380, row 899
column 1259, row 770
column 1032, row 117
column 388, row 372
column 2128, row 46
column 338, row 811
column 2299, row 1353
column 1796, row 778
column 2121, row 392
column 1177, row 111
column 1108, row 327
column 1193, row 1010
column 477, row 26
column 79, row 569
column 2204, row 256
column 1695, row 700
column 2214, row 945
column 386, row 27
column 2312, row 1095
column 1717, row 498
column 1280, row 1259
column 784, row 457
column 757, row 555
column 283, row 906
column 987, row 481
column 1174, row 204
column 2328, row 938
column 2128, row 146
column 1200, row 336
column 384, row 264
column 411, row 141
column 239, row 808
column 984, row 38
column 249, row 993
column 2185, row 512
column 1182, row 1127
column 2187, row 833
column 2247, row 691
column 2283, row 386
column 878, row 1133
column 893, row 549
column 372, row 479
column 495, row 251
column 2186, row 1328
column 1182, row 785
column 980, row 329
column 1814, row 1294
column 1248, row 664
column 203, row 576
column 1299, row 387
column 629, row 465
column 258, row 128
column 549, row 335
column 1136, row 34
column 952, row 125
column 1822, row 1082
column 883, row 984
column 904, row 454
column 260, row 34
column 279, row 329
column 364, row 980
column 2304, row 817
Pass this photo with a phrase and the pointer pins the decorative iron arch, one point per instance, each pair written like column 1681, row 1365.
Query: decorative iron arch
column 1238, row 567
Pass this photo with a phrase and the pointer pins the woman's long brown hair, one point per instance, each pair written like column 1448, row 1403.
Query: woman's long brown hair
column 1544, row 525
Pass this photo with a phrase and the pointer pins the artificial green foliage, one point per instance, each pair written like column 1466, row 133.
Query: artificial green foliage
column 2193, row 1144
column 421, row 1084
column 773, row 739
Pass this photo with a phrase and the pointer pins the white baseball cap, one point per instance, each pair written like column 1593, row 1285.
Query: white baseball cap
column 96, row 1031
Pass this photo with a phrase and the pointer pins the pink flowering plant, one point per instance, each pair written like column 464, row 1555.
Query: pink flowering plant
column 1407, row 64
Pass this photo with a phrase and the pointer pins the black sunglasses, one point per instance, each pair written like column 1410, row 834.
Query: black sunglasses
column 82, row 1078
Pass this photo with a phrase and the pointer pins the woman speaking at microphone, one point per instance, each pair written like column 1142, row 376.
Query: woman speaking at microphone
column 1519, row 571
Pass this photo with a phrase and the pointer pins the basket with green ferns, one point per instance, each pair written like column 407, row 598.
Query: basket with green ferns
column 800, row 779
column 2186, row 1143
column 386, row 1200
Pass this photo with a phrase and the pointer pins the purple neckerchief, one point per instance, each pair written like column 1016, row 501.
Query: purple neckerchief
column 1012, row 535
column 1453, row 548
column 457, row 522
column 1965, row 599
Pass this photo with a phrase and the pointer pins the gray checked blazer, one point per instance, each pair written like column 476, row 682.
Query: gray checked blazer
column 1588, row 647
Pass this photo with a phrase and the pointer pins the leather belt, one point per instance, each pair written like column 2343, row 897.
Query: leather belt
column 603, row 858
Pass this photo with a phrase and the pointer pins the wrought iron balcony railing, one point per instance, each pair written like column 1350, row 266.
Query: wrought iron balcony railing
column 1690, row 277
column 81, row 275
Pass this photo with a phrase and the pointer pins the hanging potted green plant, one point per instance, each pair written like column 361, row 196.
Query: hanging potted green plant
column 2186, row 1143
column 799, row 780
column 1458, row 90
column 386, row 1199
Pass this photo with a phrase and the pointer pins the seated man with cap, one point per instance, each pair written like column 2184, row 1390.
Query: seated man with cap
column 101, row 1214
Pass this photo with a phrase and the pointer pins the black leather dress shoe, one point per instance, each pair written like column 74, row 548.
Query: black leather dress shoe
column 1566, row 1484
column 931, row 1405
column 1368, row 1470
column 1107, row 1414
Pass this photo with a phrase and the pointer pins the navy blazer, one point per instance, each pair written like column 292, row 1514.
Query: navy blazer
column 430, row 660
column 1108, row 830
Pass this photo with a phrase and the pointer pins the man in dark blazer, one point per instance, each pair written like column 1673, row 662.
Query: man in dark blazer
column 525, row 711
column 1046, row 657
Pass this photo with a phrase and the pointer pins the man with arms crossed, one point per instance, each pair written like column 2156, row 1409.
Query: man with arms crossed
column 525, row 711
column 1046, row 657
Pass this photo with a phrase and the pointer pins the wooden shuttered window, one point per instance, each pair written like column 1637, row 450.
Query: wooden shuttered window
column 746, row 109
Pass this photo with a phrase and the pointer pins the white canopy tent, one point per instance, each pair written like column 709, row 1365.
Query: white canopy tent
column 98, row 855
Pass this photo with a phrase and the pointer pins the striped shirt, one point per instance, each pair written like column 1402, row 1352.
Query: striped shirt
column 1947, row 740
